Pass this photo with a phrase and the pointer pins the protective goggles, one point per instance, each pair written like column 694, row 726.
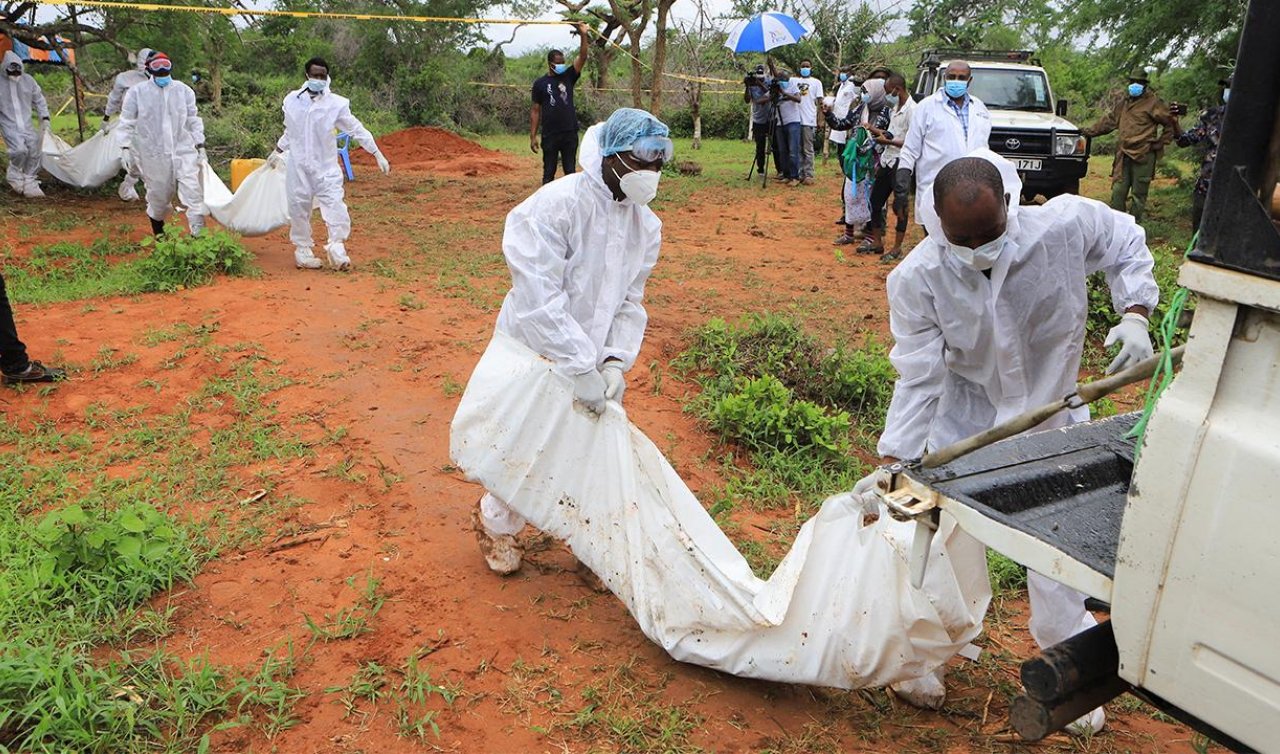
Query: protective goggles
column 652, row 149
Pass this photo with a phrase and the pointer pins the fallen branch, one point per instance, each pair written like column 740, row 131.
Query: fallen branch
column 314, row 536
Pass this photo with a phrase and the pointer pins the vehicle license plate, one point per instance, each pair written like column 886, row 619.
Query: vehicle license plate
column 1027, row 164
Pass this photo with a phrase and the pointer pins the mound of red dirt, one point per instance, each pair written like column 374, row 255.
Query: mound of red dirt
column 435, row 150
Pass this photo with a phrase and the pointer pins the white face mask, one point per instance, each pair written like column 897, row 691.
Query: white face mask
column 982, row 258
column 640, row 186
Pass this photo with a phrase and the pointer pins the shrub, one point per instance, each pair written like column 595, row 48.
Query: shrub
column 763, row 415
column 110, row 559
column 181, row 261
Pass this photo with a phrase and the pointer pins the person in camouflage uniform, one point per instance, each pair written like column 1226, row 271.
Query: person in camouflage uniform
column 1145, row 125
column 1207, row 134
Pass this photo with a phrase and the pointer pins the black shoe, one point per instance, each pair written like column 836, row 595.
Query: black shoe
column 35, row 372
column 157, row 227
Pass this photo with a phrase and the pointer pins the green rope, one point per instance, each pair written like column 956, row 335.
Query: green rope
column 1166, row 332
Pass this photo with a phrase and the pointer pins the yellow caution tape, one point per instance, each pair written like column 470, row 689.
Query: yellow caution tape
column 223, row 11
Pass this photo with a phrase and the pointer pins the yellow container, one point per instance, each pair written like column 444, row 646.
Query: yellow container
column 240, row 169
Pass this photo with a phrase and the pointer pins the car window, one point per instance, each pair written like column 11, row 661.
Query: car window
column 1001, row 89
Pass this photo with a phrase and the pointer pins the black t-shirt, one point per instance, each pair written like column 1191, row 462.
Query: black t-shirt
column 555, row 95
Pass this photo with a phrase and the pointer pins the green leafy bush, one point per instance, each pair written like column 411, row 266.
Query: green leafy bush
column 763, row 415
column 181, row 261
column 110, row 559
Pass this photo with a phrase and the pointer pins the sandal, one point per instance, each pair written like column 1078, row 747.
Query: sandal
column 867, row 247
column 890, row 257
column 843, row 240
column 35, row 372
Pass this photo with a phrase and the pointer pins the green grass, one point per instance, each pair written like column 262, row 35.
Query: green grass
column 84, row 545
column 67, row 271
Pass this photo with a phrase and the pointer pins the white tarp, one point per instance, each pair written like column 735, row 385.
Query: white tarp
column 89, row 165
column 839, row 611
column 259, row 205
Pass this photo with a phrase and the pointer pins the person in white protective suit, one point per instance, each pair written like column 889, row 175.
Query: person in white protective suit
column 313, row 115
column 124, row 81
column 948, row 124
column 988, row 320
column 19, row 96
column 580, row 251
column 160, row 118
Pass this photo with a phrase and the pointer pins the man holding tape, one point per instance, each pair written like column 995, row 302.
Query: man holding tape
column 554, row 112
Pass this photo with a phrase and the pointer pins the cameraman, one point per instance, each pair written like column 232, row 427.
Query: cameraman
column 757, row 93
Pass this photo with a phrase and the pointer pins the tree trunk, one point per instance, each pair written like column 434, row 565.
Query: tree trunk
column 659, row 57
column 696, row 110
column 637, row 69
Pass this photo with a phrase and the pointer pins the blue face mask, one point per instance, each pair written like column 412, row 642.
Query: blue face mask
column 315, row 86
column 783, row 82
column 804, row 72
column 892, row 99
column 844, row 77
column 560, row 68
column 956, row 89
column 1136, row 90
column 162, row 81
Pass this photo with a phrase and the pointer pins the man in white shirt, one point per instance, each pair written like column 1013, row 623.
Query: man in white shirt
column 847, row 87
column 809, row 90
column 949, row 124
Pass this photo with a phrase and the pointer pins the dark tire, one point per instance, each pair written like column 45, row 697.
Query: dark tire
column 1067, row 187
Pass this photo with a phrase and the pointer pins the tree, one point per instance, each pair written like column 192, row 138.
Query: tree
column 700, row 50
column 1161, row 32
column 659, row 55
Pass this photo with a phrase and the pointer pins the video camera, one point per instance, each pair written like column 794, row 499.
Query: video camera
column 754, row 77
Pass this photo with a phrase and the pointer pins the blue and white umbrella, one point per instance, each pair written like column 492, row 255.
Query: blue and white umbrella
column 765, row 31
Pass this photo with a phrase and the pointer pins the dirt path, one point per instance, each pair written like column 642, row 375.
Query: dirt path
column 378, row 358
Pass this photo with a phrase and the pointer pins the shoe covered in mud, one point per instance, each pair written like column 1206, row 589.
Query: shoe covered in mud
column 1088, row 725
column 501, row 551
column 926, row 692
column 35, row 372
column 338, row 258
column 32, row 190
column 843, row 240
column 305, row 260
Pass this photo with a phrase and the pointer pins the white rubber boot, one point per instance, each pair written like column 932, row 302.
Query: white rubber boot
column 926, row 692
column 304, row 259
column 338, row 258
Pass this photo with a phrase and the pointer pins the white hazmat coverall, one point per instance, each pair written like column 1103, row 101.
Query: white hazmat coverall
column 19, row 95
column 125, row 81
column 162, row 124
column 314, row 177
column 579, row 262
column 937, row 136
column 972, row 352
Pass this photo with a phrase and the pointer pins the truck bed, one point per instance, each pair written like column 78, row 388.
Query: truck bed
column 1066, row 488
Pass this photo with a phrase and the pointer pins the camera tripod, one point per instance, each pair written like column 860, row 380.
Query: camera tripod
column 773, row 124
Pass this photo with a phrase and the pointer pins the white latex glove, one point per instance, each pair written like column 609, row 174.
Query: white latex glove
column 46, row 125
column 106, row 126
column 1134, row 340
column 383, row 165
column 128, row 161
column 204, row 157
column 615, row 384
column 275, row 161
column 588, row 389
column 866, row 493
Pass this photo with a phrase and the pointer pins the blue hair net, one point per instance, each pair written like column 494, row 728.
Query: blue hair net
column 625, row 127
